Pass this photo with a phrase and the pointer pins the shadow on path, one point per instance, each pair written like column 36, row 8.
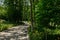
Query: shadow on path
column 15, row 33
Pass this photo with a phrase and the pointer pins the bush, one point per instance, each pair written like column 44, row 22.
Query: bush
column 47, row 16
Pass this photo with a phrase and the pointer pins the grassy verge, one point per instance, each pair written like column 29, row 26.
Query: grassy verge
column 6, row 24
column 49, row 34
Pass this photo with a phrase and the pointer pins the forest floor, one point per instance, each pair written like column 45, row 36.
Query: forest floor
column 15, row 33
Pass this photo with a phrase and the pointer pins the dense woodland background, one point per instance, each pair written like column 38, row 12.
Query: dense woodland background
column 44, row 16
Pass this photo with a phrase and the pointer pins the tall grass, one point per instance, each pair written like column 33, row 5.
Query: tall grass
column 5, row 25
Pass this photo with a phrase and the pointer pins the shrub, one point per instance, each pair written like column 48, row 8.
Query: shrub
column 46, row 16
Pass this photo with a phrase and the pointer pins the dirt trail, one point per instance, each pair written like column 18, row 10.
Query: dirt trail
column 15, row 33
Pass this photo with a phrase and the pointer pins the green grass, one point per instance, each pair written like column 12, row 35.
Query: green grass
column 5, row 25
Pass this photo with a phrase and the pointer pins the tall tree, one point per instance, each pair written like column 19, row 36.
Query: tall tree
column 14, row 8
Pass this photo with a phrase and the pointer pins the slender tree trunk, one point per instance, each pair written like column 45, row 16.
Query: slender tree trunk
column 34, row 13
column 31, row 14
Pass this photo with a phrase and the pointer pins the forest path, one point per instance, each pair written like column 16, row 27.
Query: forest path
column 15, row 33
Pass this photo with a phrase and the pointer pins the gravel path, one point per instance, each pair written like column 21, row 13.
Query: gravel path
column 15, row 33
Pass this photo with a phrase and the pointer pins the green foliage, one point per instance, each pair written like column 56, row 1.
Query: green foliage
column 3, row 13
column 5, row 25
column 36, row 35
column 14, row 10
column 46, row 17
